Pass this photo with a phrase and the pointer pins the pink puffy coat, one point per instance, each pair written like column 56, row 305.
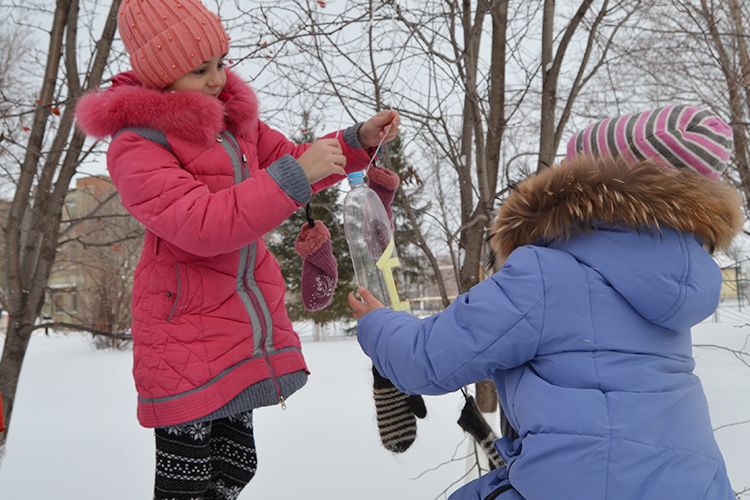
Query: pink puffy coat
column 208, row 180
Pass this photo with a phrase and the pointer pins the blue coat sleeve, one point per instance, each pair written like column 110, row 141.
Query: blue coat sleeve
column 496, row 325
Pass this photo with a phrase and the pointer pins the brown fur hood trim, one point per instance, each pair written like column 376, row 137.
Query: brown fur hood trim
column 566, row 200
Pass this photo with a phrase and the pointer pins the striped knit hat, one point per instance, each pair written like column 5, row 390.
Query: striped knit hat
column 678, row 136
column 168, row 38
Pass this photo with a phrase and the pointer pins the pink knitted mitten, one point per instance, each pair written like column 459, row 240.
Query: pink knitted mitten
column 319, row 269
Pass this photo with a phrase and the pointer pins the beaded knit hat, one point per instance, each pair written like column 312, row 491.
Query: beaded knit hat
column 168, row 38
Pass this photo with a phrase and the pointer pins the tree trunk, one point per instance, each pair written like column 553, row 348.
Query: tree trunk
column 16, row 343
column 33, row 226
column 735, row 98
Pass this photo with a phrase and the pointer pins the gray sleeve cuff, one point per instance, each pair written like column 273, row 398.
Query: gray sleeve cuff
column 289, row 175
column 351, row 137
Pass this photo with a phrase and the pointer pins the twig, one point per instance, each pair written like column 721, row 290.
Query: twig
column 732, row 424
column 452, row 459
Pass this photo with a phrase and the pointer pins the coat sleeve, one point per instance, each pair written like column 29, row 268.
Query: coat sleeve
column 180, row 209
column 272, row 145
column 494, row 326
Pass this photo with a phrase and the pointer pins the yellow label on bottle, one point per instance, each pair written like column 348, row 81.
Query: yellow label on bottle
column 387, row 263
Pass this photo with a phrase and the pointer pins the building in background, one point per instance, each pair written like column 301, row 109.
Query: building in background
column 100, row 242
column 424, row 296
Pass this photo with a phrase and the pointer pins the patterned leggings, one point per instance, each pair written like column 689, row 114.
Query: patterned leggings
column 205, row 461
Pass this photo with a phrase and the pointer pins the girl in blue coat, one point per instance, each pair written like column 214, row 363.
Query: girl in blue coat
column 586, row 328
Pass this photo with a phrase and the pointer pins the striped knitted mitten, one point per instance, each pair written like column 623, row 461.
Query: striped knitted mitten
column 472, row 421
column 396, row 414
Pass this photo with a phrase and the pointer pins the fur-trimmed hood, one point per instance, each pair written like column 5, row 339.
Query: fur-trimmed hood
column 190, row 115
column 573, row 198
column 643, row 229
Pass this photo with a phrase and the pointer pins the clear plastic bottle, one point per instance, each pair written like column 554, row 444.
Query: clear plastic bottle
column 370, row 239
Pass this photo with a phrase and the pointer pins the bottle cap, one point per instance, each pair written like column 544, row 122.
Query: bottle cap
column 356, row 177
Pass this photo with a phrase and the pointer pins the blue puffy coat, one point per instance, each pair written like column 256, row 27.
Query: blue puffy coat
column 586, row 332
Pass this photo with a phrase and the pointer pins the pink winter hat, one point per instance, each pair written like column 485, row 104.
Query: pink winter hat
column 168, row 38
column 679, row 136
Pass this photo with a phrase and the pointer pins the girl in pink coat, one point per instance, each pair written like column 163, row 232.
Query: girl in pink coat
column 193, row 163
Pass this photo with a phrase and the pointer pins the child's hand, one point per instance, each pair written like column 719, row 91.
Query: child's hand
column 370, row 303
column 383, row 126
column 322, row 159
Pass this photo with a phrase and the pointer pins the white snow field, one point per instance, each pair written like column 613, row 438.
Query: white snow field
column 75, row 435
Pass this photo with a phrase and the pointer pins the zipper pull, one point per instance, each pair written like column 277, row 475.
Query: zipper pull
column 219, row 138
column 244, row 159
column 282, row 402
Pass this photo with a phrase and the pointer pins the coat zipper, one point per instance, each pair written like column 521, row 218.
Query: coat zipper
column 264, row 336
column 254, row 299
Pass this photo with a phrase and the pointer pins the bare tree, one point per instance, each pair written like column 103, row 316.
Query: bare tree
column 726, row 25
column 460, row 74
column 50, row 157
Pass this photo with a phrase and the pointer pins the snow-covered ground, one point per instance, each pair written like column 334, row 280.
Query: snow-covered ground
column 75, row 436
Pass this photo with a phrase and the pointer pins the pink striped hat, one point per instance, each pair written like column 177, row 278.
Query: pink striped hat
column 679, row 136
column 168, row 38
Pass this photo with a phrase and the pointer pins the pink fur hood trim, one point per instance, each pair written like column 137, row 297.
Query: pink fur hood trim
column 190, row 115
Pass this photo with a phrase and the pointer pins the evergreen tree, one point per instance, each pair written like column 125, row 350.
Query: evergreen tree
column 326, row 207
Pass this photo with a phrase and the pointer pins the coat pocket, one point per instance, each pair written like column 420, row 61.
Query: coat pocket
column 174, row 289
column 174, row 295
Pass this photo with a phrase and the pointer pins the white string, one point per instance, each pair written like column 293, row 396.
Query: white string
column 377, row 148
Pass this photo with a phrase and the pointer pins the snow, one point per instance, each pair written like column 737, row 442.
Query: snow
column 75, row 435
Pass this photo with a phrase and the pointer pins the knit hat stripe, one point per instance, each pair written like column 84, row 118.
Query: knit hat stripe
column 671, row 145
column 703, row 147
column 621, row 138
column 593, row 135
column 700, row 117
column 587, row 139
column 713, row 128
column 716, row 141
column 630, row 132
column 662, row 145
column 576, row 144
column 698, row 159
column 610, row 136
column 679, row 136
column 699, row 143
column 640, row 140
column 601, row 137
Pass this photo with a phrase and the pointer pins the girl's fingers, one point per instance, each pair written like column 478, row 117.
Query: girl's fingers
column 339, row 160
